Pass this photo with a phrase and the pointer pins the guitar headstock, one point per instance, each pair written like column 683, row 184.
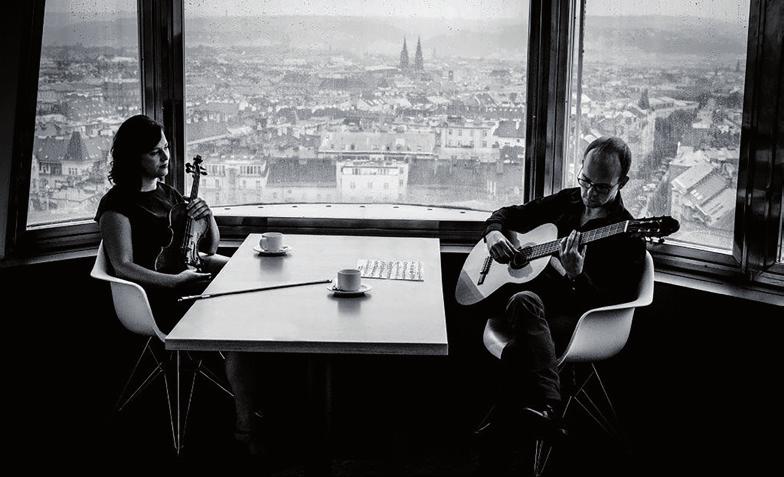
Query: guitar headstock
column 195, row 169
column 653, row 227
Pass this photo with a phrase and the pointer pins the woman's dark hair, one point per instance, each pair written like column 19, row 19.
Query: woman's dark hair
column 135, row 136
column 612, row 146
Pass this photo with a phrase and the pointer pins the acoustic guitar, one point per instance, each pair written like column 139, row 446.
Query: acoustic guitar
column 182, row 252
column 481, row 275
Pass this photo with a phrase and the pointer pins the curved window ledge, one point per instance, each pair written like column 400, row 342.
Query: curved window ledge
column 675, row 278
column 451, row 225
column 458, row 229
column 367, row 212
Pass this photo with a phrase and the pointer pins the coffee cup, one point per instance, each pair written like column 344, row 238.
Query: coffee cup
column 349, row 279
column 271, row 241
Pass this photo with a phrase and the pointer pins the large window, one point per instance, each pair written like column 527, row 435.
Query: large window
column 367, row 101
column 668, row 77
column 417, row 102
column 88, row 84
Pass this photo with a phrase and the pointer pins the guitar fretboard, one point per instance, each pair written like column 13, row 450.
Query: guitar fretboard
column 549, row 248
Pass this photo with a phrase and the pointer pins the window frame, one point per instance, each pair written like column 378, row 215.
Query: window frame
column 553, row 26
column 759, row 189
column 32, row 14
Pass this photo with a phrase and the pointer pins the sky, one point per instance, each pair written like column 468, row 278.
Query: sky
column 382, row 8
column 728, row 10
column 734, row 11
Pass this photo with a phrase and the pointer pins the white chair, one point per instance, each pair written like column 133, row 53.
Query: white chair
column 133, row 310
column 600, row 334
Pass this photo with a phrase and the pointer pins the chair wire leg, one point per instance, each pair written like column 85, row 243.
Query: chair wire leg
column 620, row 432
column 598, row 412
column 593, row 416
column 175, row 440
column 543, row 450
column 190, row 399
column 584, row 384
column 147, row 381
column 547, row 449
column 538, row 457
column 547, row 452
column 604, row 391
column 210, row 375
column 117, row 406
column 485, row 420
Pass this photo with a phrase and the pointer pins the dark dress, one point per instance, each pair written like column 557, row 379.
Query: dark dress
column 148, row 213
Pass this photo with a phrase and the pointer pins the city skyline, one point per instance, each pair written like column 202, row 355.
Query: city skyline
column 328, row 109
column 727, row 10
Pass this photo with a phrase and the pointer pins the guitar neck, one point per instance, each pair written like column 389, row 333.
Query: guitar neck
column 549, row 248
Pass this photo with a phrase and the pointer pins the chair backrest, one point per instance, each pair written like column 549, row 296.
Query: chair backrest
column 130, row 299
column 602, row 332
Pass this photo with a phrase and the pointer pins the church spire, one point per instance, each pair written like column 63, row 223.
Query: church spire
column 404, row 56
column 419, row 63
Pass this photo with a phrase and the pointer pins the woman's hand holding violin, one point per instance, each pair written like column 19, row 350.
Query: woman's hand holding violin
column 198, row 209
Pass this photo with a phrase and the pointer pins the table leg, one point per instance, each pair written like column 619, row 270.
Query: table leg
column 178, row 402
column 319, row 415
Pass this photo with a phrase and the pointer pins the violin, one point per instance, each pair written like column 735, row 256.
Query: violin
column 182, row 252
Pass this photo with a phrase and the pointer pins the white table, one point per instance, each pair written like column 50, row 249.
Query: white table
column 396, row 317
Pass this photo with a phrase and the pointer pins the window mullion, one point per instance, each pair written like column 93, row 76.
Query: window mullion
column 30, row 42
column 759, row 204
column 160, row 46
column 548, row 66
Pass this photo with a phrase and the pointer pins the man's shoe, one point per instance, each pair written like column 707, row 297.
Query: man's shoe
column 545, row 423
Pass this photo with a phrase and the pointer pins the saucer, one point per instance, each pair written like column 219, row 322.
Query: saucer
column 272, row 253
column 338, row 292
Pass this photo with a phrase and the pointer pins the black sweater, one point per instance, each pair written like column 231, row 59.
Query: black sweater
column 612, row 268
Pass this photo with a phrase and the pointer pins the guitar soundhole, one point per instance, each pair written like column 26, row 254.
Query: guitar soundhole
column 520, row 259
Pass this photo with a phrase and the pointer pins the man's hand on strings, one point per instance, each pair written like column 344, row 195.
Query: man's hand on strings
column 572, row 254
column 500, row 248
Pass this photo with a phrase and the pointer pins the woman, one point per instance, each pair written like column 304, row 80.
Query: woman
column 134, row 222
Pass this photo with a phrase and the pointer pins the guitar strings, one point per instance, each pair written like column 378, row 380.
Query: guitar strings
column 548, row 248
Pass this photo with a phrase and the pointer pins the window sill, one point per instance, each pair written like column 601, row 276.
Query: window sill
column 458, row 230
column 713, row 285
column 717, row 286
column 366, row 212
column 451, row 225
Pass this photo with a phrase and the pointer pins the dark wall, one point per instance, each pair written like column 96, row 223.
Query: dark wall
column 691, row 386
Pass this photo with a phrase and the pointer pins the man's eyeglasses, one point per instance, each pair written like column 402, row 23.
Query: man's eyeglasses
column 600, row 188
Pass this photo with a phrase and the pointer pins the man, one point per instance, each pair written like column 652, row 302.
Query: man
column 541, row 319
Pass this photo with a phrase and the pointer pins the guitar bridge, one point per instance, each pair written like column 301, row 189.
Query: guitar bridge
column 485, row 270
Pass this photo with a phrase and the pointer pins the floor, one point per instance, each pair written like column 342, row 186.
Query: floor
column 392, row 417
